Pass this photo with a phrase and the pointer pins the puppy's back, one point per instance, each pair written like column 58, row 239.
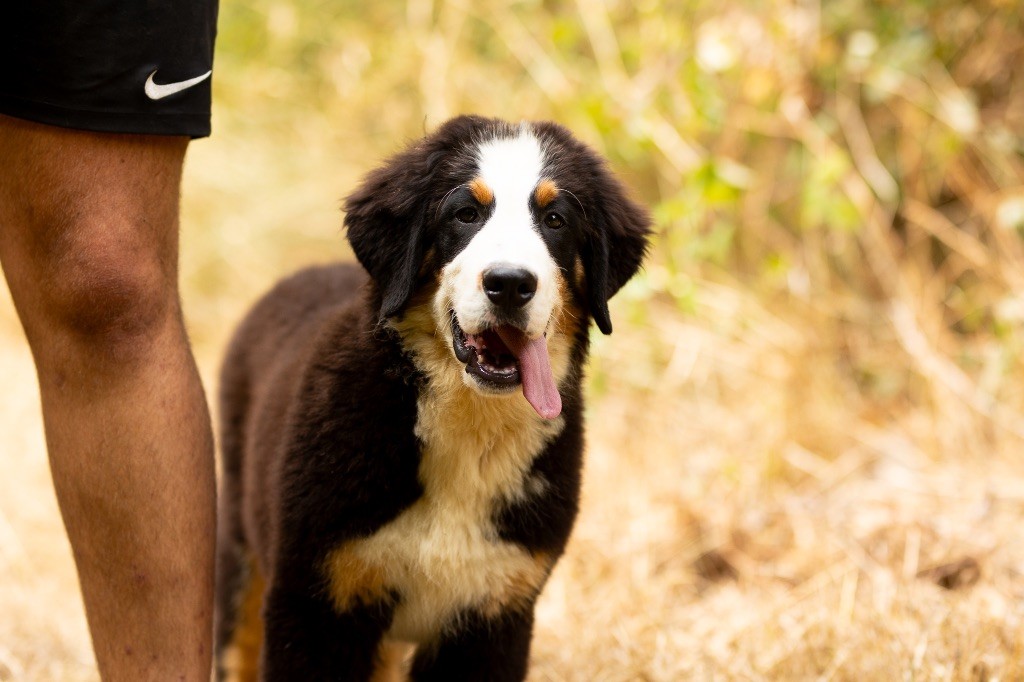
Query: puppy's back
column 263, row 368
column 282, row 318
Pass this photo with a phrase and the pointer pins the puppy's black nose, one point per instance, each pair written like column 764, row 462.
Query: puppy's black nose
column 509, row 287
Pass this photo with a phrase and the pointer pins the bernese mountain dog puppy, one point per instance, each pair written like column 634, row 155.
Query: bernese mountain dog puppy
column 402, row 442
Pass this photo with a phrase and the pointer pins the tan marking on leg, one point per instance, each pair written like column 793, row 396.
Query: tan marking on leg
column 545, row 193
column 521, row 587
column 393, row 660
column 240, row 659
column 481, row 192
column 351, row 580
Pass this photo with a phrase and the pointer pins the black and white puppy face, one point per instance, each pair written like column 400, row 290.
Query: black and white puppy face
column 500, row 251
column 505, row 255
column 514, row 225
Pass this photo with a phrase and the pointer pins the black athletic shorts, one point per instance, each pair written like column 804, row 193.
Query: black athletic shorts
column 122, row 66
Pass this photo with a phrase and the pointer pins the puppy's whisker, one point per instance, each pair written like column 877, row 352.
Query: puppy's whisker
column 445, row 198
column 562, row 189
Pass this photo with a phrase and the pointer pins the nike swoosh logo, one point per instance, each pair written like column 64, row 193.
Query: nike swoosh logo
column 158, row 91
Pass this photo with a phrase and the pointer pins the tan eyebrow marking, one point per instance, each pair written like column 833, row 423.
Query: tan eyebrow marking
column 481, row 192
column 545, row 193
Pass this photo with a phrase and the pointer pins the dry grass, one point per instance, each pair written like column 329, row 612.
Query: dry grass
column 806, row 432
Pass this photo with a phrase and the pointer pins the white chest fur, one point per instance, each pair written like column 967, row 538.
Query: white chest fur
column 443, row 555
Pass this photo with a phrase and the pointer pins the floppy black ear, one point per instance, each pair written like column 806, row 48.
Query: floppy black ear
column 386, row 221
column 387, row 218
column 617, row 243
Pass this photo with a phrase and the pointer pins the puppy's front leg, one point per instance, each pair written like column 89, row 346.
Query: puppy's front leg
column 306, row 639
column 481, row 648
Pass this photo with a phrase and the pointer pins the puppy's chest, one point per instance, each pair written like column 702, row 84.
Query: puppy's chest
column 443, row 554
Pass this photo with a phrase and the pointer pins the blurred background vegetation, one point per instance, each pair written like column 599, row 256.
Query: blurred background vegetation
column 806, row 434
column 851, row 171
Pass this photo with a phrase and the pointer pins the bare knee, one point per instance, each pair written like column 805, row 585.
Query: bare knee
column 88, row 237
column 103, row 285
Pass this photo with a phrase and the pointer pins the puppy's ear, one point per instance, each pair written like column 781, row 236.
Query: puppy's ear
column 386, row 223
column 617, row 243
column 388, row 217
column 617, row 227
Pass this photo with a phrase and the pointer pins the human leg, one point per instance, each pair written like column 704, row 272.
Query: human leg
column 88, row 243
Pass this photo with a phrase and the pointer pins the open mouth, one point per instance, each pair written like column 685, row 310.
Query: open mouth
column 486, row 356
column 504, row 357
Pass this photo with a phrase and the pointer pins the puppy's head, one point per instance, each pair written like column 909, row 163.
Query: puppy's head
column 514, row 225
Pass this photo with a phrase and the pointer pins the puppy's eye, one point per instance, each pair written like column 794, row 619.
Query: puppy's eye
column 467, row 215
column 554, row 221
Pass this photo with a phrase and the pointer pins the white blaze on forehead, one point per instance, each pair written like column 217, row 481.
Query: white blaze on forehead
column 511, row 168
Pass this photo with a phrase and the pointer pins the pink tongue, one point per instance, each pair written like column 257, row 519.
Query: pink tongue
column 534, row 370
